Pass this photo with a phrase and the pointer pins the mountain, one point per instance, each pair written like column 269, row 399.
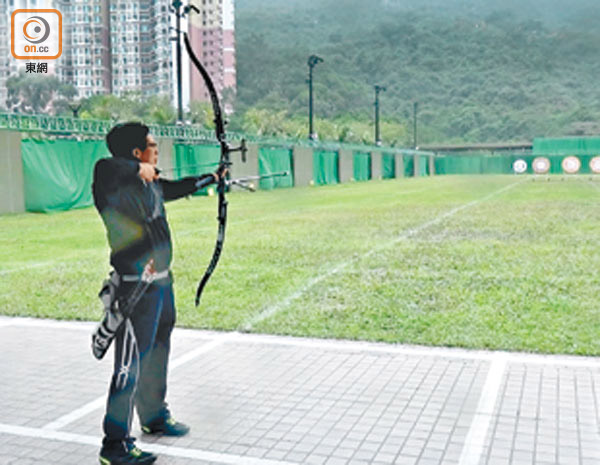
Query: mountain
column 481, row 70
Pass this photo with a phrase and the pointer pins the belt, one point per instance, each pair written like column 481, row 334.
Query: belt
column 147, row 277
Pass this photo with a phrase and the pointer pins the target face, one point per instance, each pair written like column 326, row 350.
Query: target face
column 595, row 165
column 541, row 165
column 571, row 165
column 520, row 166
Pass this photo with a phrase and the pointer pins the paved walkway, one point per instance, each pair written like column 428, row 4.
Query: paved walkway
column 267, row 400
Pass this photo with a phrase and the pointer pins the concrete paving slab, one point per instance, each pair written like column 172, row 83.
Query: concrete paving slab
column 268, row 400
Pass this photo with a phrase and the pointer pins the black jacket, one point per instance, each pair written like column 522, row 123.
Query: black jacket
column 134, row 214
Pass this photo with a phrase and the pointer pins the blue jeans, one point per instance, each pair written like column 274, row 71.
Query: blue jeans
column 139, row 379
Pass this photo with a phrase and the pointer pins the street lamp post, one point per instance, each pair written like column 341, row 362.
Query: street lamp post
column 176, row 9
column 313, row 60
column 415, row 110
column 377, row 136
column 75, row 107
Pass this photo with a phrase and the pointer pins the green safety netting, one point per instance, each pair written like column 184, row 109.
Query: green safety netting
column 478, row 164
column 388, row 166
column 409, row 163
column 193, row 160
column 408, row 166
column 326, row 167
column 362, row 166
column 58, row 174
column 423, row 165
column 500, row 164
column 567, row 146
column 275, row 160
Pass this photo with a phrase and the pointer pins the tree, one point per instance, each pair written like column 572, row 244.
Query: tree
column 160, row 111
column 38, row 94
column 201, row 113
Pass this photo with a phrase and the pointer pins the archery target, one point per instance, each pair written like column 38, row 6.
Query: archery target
column 541, row 165
column 520, row 166
column 595, row 165
column 571, row 165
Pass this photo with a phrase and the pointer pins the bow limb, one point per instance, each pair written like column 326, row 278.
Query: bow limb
column 224, row 161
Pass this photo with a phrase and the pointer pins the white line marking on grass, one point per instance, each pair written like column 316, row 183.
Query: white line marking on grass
column 27, row 267
column 473, row 447
column 100, row 402
column 181, row 452
column 273, row 309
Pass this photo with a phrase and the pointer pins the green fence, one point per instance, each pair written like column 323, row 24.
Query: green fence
column 477, row 164
column 192, row 160
column 500, row 164
column 409, row 165
column 388, row 166
column 361, row 166
column 58, row 168
column 326, row 167
column 567, row 146
column 58, row 174
column 275, row 160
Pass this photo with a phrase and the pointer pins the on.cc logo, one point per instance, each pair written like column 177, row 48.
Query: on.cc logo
column 36, row 34
column 36, row 30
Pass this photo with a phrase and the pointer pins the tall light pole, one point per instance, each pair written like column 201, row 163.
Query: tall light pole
column 415, row 110
column 313, row 60
column 377, row 137
column 176, row 10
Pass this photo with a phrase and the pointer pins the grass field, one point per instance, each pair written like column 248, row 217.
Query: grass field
column 496, row 262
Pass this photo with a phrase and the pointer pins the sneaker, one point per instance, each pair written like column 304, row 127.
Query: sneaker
column 131, row 456
column 168, row 427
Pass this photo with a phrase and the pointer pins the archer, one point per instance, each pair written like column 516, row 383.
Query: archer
column 138, row 298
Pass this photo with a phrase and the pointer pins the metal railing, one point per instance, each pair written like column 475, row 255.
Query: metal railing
column 69, row 126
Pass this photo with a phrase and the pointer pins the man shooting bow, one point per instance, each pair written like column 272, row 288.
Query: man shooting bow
column 129, row 195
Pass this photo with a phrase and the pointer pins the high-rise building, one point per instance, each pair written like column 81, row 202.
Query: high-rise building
column 212, row 36
column 4, row 52
column 109, row 46
column 140, row 46
column 85, row 62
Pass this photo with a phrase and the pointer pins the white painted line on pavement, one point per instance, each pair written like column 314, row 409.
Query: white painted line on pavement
column 226, row 337
column 91, row 326
column 172, row 451
column 420, row 351
column 75, row 415
column 53, row 324
column 473, row 447
column 273, row 309
column 338, row 344
column 100, row 402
